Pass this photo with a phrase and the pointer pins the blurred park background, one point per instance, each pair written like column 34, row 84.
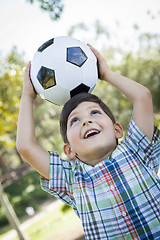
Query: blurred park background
column 127, row 34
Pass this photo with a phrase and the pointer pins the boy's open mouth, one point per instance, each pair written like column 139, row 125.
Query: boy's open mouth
column 91, row 133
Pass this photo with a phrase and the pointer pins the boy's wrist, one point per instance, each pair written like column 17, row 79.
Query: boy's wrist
column 28, row 96
column 107, row 75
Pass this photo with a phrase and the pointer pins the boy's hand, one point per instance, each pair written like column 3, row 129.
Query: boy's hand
column 103, row 68
column 28, row 88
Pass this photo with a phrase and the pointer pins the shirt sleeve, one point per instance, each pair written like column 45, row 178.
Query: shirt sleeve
column 149, row 151
column 60, row 182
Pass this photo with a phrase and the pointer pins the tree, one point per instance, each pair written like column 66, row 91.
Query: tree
column 11, row 85
column 54, row 7
column 144, row 68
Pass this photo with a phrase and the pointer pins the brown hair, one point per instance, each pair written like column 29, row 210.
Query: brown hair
column 73, row 103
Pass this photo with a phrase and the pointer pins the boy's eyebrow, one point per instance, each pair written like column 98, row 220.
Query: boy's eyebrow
column 71, row 115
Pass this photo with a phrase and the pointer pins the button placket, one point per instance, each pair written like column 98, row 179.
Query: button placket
column 112, row 188
column 124, row 214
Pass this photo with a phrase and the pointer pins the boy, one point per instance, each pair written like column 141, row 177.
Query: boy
column 112, row 187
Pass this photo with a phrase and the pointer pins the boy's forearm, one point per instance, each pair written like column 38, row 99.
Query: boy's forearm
column 25, row 128
column 141, row 99
column 131, row 89
column 138, row 94
column 26, row 142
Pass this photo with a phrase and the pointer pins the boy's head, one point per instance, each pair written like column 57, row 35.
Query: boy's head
column 88, row 129
column 73, row 103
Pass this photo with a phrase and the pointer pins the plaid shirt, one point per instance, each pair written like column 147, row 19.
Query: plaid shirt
column 119, row 198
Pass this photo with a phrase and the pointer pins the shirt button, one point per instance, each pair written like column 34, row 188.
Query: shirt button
column 124, row 214
column 112, row 188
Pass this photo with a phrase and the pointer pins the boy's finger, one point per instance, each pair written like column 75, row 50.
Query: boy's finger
column 27, row 69
column 91, row 47
column 29, row 65
column 95, row 51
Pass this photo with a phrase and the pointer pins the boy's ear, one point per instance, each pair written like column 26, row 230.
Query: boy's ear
column 68, row 151
column 118, row 130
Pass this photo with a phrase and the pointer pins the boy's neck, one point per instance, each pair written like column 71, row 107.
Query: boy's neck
column 94, row 162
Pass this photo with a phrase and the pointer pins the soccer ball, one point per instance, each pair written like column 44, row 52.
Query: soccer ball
column 63, row 67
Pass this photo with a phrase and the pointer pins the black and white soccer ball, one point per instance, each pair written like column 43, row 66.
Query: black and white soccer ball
column 63, row 67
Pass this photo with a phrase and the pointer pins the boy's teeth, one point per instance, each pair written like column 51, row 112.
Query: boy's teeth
column 91, row 133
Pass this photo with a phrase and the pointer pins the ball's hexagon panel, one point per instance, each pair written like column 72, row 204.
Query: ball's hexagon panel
column 81, row 88
column 76, row 56
column 68, row 76
column 46, row 77
column 54, row 56
column 89, row 73
column 45, row 45
column 57, row 95
column 88, row 51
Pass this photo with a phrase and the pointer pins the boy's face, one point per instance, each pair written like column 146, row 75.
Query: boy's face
column 91, row 134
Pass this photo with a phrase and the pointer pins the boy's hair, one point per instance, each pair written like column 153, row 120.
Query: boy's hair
column 73, row 103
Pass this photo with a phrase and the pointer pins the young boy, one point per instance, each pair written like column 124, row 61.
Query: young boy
column 113, row 188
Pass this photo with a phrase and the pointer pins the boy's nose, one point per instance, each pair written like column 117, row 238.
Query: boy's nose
column 87, row 122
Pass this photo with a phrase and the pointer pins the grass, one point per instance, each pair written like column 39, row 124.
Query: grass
column 59, row 223
column 24, row 193
column 53, row 225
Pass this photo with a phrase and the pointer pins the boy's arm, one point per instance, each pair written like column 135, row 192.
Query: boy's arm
column 26, row 142
column 139, row 95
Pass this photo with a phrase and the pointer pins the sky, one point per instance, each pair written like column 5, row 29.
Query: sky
column 27, row 27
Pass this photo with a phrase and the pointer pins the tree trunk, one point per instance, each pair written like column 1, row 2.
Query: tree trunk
column 3, row 166
column 10, row 213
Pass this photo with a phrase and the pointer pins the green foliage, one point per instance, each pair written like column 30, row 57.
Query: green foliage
column 24, row 193
column 11, row 76
column 10, row 91
column 65, row 208
column 53, row 7
column 46, row 117
column 143, row 67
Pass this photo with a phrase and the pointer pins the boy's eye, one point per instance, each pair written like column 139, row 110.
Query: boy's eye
column 74, row 120
column 94, row 112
